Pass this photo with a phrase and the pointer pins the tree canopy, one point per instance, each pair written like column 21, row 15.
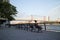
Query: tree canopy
column 7, row 11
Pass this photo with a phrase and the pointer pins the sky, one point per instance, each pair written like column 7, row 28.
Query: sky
column 37, row 8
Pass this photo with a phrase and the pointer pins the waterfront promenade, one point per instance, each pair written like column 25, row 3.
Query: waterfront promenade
column 17, row 34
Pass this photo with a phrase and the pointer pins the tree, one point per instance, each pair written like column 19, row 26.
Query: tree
column 7, row 11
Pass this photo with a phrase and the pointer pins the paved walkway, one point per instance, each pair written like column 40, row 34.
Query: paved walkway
column 16, row 34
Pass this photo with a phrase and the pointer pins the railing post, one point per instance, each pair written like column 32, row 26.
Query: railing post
column 45, row 26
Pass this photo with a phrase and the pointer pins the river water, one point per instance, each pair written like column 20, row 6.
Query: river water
column 52, row 27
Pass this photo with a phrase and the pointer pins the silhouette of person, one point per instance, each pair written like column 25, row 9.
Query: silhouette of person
column 37, row 26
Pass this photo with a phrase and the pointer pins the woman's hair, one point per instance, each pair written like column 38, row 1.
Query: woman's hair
column 35, row 20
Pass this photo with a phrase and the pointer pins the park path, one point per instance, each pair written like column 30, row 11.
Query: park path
column 16, row 34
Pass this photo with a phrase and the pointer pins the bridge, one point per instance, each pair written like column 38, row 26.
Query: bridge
column 41, row 20
column 32, row 21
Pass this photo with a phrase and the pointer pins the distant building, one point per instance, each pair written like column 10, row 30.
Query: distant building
column 4, row 0
column 58, row 19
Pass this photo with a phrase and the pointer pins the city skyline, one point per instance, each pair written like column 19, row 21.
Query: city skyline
column 40, row 8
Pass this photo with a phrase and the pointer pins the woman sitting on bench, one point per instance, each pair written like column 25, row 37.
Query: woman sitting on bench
column 37, row 26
